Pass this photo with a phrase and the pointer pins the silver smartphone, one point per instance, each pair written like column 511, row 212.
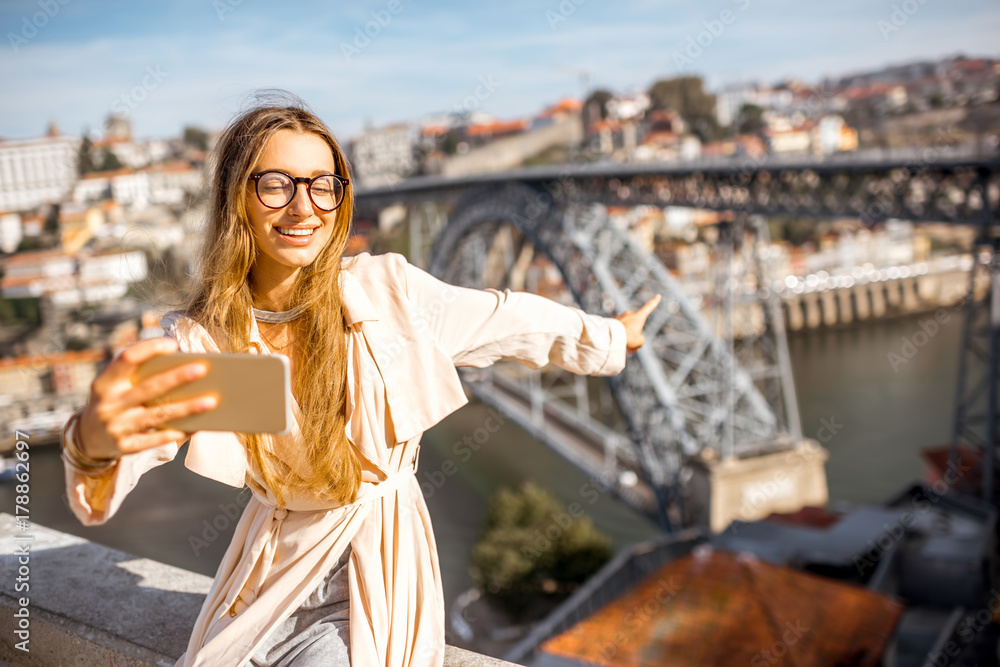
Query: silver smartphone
column 253, row 391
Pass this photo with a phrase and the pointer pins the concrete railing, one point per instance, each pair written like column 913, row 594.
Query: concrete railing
column 88, row 604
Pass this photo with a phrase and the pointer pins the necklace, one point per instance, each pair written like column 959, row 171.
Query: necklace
column 272, row 345
column 274, row 317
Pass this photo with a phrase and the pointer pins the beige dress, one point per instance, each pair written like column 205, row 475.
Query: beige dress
column 407, row 331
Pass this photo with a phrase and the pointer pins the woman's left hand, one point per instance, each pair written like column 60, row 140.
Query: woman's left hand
column 635, row 321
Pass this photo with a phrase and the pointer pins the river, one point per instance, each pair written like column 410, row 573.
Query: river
column 873, row 412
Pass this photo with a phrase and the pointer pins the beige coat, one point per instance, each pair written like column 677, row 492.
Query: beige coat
column 407, row 331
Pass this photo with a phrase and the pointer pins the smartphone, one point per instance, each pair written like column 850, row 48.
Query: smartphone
column 253, row 391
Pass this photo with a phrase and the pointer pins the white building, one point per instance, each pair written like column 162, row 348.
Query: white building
column 156, row 184
column 139, row 154
column 729, row 101
column 11, row 232
column 72, row 281
column 628, row 107
column 91, row 188
column 131, row 188
column 169, row 183
column 384, row 155
column 36, row 171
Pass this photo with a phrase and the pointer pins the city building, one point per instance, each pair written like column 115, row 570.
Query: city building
column 384, row 155
column 11, row 232
column 72, row 281
column 800, row 135
column 36, row 171
column 164, row 183
column 730, row 100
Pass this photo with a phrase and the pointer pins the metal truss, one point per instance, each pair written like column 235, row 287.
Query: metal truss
column 683, row 394
column 977, row 403
column 928, row 188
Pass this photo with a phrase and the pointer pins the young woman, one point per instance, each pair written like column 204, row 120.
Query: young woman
column 333, row 560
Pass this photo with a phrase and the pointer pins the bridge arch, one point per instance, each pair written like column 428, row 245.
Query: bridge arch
column 682, row 395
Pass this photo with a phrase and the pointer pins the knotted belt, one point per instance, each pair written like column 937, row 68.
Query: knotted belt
column 250, row 590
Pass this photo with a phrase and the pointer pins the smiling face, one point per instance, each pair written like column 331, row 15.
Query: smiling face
column 292, row 237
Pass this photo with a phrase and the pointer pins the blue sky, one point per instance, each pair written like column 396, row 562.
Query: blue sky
column 194, row 61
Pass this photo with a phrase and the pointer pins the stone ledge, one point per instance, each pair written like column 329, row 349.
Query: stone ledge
column 90, row 605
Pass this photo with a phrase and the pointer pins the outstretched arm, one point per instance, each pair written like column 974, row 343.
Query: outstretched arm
column 479, row 327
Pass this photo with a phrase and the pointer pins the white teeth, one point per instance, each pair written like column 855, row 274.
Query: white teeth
column 294, row 232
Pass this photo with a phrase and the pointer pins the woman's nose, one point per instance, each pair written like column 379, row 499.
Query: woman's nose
column 301, row 205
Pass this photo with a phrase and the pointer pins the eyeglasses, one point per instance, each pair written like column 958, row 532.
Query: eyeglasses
column 276, row 189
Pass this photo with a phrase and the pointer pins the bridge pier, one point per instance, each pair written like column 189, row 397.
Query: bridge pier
column 862, row 304
column 928, row 288
column 751, row 488
column 877, row 292
column 893, row 295
column 793, row 310
column 846, row 310
column 829, row 301
column 813, row 317
column 911, row 301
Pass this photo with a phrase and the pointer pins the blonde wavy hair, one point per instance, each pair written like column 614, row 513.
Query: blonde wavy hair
column 222, row 302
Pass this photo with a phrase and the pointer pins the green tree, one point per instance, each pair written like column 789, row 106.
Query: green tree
column 687, row 96
column 452, row 140
column 750, row 119
column 85, row 162
column 597, row 103
column 533, row 550
column 196, row 137
column 110, row 161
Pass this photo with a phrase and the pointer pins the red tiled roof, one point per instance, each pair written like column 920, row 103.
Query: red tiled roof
column 724, row 609
column 496, row 127
column 43, row 360
column 33, row 257
column 565, row 105
column 662, row 138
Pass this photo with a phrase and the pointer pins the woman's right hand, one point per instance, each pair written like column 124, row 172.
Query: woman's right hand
column 117, row 422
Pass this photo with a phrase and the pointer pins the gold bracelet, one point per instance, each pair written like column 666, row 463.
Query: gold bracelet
column 73, row 454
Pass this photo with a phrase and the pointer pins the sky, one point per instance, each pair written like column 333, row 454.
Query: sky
column 196, row 62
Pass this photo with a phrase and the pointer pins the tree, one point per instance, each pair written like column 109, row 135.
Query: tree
column 750, row 119
column 110, row 161
column 687, row 96
column 596, row 104
column 196, row 137
column 533, row 550
column 85, row 162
